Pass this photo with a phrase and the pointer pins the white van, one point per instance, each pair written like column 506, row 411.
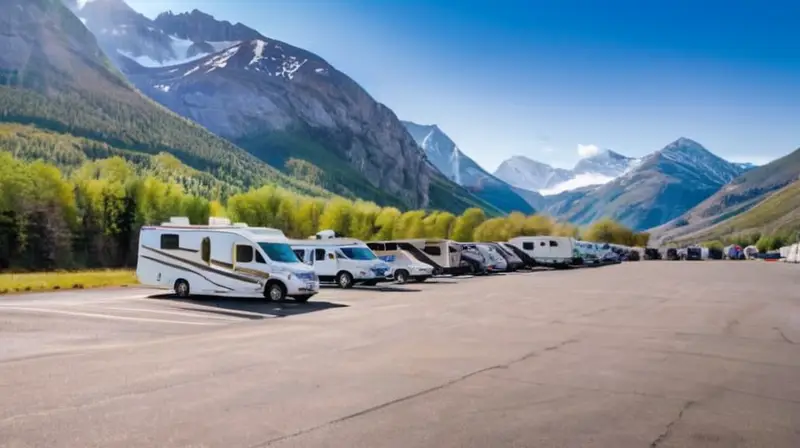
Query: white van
column 402, row 264
column 343, row 261
column 222, row 259
column 556, row 251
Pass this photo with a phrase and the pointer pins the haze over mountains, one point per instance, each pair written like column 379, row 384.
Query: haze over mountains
column 281, row 113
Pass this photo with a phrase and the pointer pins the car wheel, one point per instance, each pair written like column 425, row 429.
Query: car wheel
column 401, row 276
column 182, row 289
column 275, row 292
column 344, row 280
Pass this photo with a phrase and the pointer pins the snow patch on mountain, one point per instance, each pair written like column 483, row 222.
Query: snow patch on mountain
column 596, row 167
column 579, row 181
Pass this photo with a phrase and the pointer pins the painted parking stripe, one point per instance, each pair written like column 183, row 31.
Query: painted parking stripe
column 187, row 313
column 107, row 316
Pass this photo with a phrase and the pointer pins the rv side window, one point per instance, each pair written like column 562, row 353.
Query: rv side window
column 433, row 250
column 260, row 259
column 527, row 245
column 301, row 254
column 391, row 246
column 553, row 243
column 244, row 254
column 452, row 249
column 170, row 241
column 205, row 249
column 319, row 254
column 543, row 243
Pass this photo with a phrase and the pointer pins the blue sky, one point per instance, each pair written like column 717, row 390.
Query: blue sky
column 540, row 78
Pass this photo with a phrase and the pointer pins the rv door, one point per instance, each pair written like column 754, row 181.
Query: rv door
column 324, row 261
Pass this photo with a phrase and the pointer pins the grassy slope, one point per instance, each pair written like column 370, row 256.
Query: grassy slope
column 741, row 194
column 67, row 85
column 778, row 213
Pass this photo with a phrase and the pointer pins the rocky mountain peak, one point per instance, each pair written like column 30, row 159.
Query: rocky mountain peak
column 198, row 26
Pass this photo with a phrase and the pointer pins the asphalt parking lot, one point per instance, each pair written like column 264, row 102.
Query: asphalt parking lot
column 648, row 354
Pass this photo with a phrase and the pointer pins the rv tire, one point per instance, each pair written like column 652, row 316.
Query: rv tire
column 401, row 276
column 182, row 289
column 344, row 280
column 275, row 291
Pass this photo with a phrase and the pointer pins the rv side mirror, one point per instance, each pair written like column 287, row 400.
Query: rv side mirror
column 331, row 256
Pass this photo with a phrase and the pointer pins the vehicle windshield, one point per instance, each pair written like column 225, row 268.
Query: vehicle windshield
column 280, row 252
column 358, row 253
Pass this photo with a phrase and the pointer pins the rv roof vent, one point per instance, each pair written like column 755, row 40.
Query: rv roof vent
column 178, row 221
column 326, row 235
column 240, row 224
column 218, row 221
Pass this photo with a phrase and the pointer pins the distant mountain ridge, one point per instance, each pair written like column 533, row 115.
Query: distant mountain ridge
column 657, row 189
column 445, row 156
column 738, row 196
column 597, row 169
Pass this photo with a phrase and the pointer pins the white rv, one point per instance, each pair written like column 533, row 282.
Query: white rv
column 403, row 265
column 443, row 255
column 222, row 259
column 556, row 251
column 343, row 261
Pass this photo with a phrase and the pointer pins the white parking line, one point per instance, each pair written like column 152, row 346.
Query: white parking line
column 106, row 316
column 187, row 313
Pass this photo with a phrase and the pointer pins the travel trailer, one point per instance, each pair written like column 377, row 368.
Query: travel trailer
column 512, row 260
column 494, row 261
column 443, row 255
column 527, row 260
column 556, row 251
column 472, row 260
column 403, row 266
column 344, row 261
column 694, row 253
column 222, row 259
column 590, row 253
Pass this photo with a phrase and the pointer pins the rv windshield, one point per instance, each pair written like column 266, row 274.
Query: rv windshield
column 280, row 252
column 358, row 253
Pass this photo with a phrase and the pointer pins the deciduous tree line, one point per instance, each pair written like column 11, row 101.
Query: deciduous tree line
column 91, row 218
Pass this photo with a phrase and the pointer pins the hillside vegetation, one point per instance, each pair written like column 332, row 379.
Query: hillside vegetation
column 90, row 218
column 741, row 194
column 777, row 217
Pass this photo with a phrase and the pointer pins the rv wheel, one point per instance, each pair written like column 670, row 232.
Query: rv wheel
column 182, row 288
column 275, row 292
column 344, row 280
column 401, row 276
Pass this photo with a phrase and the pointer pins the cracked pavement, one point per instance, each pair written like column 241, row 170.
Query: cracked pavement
column 648, row 354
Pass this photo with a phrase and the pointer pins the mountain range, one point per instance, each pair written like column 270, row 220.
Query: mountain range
column 285, row 105
column 444, row 155
column 596, row 169
column 241, row 110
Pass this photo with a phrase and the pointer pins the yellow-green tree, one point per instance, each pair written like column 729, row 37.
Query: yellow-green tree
column 465, row 225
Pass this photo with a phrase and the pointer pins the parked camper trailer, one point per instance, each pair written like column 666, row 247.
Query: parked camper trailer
column 750, row 252
column 222, row 259
column 444, row 255
column 694, row 253
column 344, row 261
column 513, row 262
column 403, row 265
column 473, row 261
column 527, row 260
column 495, row 261
column 556, row 251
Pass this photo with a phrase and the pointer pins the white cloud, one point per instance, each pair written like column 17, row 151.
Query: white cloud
column 547, row 149
column 581, row 180
column 82, row 3
column 587, row 150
